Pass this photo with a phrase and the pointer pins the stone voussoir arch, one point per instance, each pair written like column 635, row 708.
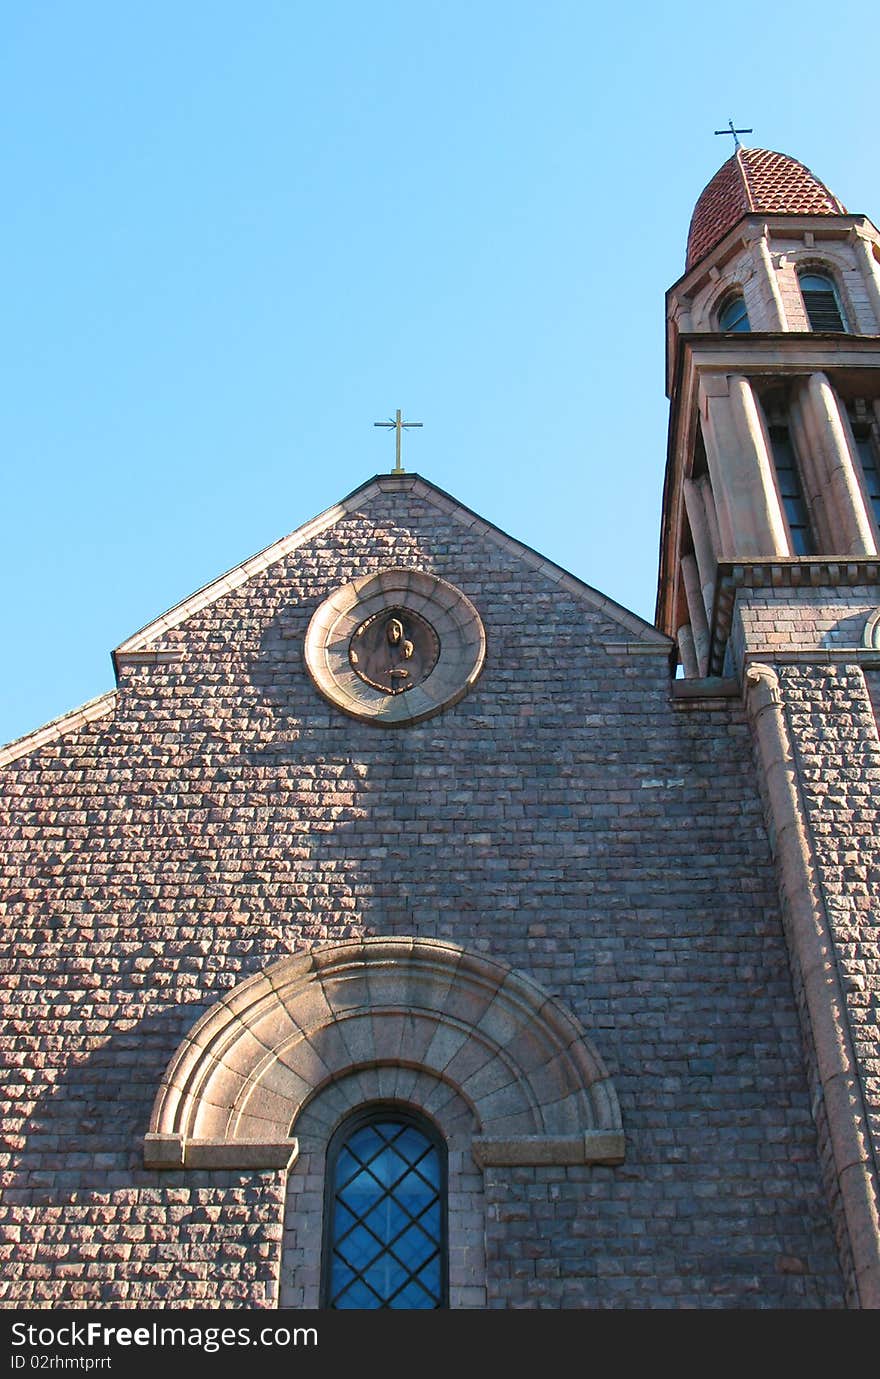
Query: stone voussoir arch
column 234, row 1090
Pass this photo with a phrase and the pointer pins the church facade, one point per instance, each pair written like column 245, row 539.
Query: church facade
column 413, row 927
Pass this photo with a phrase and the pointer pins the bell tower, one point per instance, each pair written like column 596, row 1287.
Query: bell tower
column 773, row 372
column 770, row 587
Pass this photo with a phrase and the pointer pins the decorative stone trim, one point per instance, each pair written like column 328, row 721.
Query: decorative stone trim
column 523, row 1064
column 871, row 634
column 156, row 657
column 709, row 693
column 408, row 597
column 867, row 658
column 593, row 1147
column 100, row 707
column 174, row 1151
column 663, row 648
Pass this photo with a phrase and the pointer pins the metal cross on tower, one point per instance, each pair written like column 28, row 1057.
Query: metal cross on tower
column 735, row 132
column 399, row 426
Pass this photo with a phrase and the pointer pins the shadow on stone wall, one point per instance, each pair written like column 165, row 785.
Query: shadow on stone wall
column 87, row 1127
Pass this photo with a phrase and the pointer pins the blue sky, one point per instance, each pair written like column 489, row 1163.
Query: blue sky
column 235, row 235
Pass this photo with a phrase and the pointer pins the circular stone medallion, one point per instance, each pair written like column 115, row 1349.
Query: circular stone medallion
column 396, row 647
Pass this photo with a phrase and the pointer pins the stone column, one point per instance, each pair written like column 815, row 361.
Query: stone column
column 776, row 319
column 699, row 622
column 813, row 477
column 683, row 319
column 827, row 440
column 702, row 539
column 864, row 247
column 749, row 513
column 711, row 516
column 686, row 651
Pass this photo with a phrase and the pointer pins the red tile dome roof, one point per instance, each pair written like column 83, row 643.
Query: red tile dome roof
column 755, row 181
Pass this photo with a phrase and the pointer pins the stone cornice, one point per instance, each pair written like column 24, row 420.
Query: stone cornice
column 167, row 1152
column 755, row 223
column 658, row 648
column 709, row 693
column 776, row 351
column 816, row 656
column 157, row 657
column 779, row 572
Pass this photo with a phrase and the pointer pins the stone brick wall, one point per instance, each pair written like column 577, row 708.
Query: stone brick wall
column 834, row 733
column 818, row 640
column 771, row 622
column 745, row 271
column 203, row 1240
column 605, row 1238
column 563, row 817
column 833, row 727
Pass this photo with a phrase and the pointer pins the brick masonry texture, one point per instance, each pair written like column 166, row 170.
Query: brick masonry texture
column 832, row 720
column 782, row 620
column 834, row 733
column 562, row 817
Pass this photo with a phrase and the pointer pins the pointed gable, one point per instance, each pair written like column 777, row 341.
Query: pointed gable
column 362, row 499
column 249, row 628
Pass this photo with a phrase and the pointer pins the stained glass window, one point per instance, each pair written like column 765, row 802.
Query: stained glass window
column 385, row 1236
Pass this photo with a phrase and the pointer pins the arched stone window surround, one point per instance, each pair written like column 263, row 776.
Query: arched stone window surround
column 732, row 281
column 827, row 265
column 732, row 293
column 235, row 1090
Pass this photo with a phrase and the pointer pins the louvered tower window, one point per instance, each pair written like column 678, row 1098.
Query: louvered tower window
column 821, row 301
column 733, row 315
column 791, row 491
column 385, row 1214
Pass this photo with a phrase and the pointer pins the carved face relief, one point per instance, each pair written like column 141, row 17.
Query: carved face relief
column 394, row 650
column 396, row 647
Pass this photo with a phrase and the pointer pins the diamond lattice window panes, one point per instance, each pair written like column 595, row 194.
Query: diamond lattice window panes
column 385, row 1228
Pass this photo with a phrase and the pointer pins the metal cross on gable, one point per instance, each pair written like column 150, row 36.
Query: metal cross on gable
column 399, row 426
column 735, row 132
